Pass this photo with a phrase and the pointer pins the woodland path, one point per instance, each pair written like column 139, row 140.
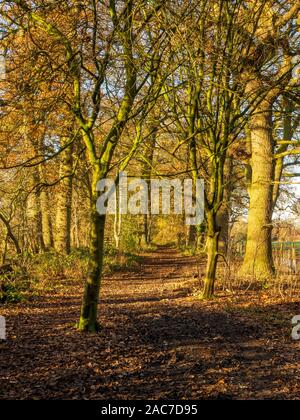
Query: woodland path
column 157, row 341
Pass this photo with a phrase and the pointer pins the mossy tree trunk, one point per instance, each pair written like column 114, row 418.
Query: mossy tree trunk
column 212, row 251
column 89, row 309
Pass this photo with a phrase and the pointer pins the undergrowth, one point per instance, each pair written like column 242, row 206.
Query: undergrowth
column 31, row 274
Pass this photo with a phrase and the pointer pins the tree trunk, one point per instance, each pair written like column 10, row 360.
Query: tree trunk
column 34, row 212
column 212, row 256
column 76, row 227
column 288, row 133
column 191, row 236
column 4, row 248
column 223, row 215
column 45, row 214
column 117, row 227
column 64, row 203
column 148, row 152
column 88, row 317
column 258, row 261
column 46, row 220
column 147, row 222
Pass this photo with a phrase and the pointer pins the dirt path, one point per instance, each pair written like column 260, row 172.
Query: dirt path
column 157, row 341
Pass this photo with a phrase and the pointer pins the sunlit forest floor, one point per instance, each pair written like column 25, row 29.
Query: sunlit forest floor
column 158, row 340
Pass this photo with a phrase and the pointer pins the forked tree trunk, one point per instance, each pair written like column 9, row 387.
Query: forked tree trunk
column 9, row 235
column 258, row 261
column 288, row 133
column 212, row 256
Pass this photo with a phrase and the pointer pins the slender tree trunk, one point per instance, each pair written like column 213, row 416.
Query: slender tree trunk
column 288, row 133
column 223, row 215
column 258, row 261
column 46, row 220
column 64, row 203
column 45, row 214
column 191, row 235
column 34, row 211
column 147, row 222
column 201, row 236
column 4, row 248
column 148, row 154
column 145, row 230
column 117, row 227
column 76, row 227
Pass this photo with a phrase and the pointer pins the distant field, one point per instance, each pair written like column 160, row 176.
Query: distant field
column 287, row 245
